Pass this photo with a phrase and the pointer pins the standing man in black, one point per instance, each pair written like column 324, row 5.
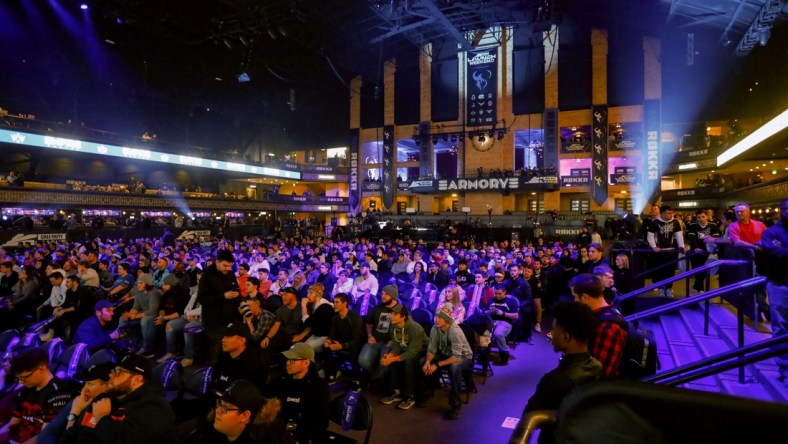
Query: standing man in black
column 218, row 294
column 666, row 239
column 520, row 289
column 696, row 232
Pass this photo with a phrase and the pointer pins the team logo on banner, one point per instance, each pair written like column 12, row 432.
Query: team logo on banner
column 599, row 153
column 389, row 181
column 482, row 85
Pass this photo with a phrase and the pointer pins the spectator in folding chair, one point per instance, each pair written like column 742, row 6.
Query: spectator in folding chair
column 408, row 347
column 288, row 323
column 342, row 285
column 345, row 340
column 504, row 310
column 316, row 315
column 96, row 383
column 96, row 331
column 143, row 313
column 448, row 348
column 133, row 411
column 304, row 395
column 235, row 412
column 378, row 334
column 39, row 401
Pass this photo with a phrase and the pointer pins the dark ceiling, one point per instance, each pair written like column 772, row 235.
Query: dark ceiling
column 170, row 66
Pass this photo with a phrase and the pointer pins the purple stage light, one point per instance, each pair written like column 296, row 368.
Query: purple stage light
column 83, row 6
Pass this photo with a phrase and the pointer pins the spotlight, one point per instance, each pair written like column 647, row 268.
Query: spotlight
column 83, row 6
column 243, row 77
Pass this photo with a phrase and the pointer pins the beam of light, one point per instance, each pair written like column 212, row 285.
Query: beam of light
column 771, row 128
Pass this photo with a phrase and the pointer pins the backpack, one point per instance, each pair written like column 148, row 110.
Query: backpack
column 640, row 351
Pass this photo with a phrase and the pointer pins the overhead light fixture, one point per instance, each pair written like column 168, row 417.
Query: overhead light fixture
column 769, row 129
column 243, row 77
column 688, row 166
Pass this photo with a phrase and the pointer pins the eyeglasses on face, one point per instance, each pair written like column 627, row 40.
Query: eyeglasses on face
column 224, row 408
column 21, row 377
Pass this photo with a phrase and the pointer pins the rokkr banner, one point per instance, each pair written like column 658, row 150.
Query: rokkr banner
column 482, row 85
column 354, row 198
column 389, row 178
column 652, row 121
column 81, row 146
column 599, row 153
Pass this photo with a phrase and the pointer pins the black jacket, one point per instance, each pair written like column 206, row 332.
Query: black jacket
column 142, row 416
column 216, row 310
column 305, row 404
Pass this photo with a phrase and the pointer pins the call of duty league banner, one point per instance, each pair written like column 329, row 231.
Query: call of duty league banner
column 389, row 178
column 599, row 153
column 354, row 199
column 482, row 84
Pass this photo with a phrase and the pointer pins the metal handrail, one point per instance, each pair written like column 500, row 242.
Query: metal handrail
column 681, row 276
column 672, row 263
column 693, row 300
column 700, row 369
column 531, row 422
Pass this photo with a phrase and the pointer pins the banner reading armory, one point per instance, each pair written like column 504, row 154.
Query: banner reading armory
column 546, row 183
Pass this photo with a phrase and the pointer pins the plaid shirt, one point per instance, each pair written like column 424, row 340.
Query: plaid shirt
column 262, row 324
column 608, row 345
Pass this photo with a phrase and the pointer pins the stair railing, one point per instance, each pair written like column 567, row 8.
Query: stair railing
column 705, row 297
column 722, row 362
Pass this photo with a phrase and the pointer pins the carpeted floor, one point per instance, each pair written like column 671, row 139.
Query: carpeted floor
column 503, row 395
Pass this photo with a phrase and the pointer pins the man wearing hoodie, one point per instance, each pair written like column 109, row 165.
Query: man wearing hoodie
column 408, row 346
column 304, row 396
column 316, row 315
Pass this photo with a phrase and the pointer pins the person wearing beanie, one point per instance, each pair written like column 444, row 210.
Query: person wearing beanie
column 447, row 349
column 378, row 336
column 316, row 315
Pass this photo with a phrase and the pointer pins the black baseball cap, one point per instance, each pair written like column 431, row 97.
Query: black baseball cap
column 244, row 395
column 136, row 364
column 236, row 329
column 97, row 371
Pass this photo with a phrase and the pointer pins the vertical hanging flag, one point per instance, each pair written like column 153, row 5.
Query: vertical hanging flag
column 599, row 153
column 652, row 121
column 482, row 86
column 354, row 197
column 425, row 154
column 550, row 138
column 389, row 178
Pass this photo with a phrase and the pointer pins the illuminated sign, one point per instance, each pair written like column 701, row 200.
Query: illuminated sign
column 59, row 143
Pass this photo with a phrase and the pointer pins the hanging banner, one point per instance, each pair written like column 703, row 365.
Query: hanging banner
column 550, row 124
column 425, row 146
column 482, row 86
column 354, row 198
column 652, row 121
column 389, row 177
column 599, row 153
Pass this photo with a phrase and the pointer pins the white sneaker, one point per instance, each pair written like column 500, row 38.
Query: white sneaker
column 537, row 328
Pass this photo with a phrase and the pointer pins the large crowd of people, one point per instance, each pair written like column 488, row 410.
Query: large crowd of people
column 278, row 320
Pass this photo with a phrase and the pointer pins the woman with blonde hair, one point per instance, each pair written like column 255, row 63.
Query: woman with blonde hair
column 622, row 274
column 454, row 303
